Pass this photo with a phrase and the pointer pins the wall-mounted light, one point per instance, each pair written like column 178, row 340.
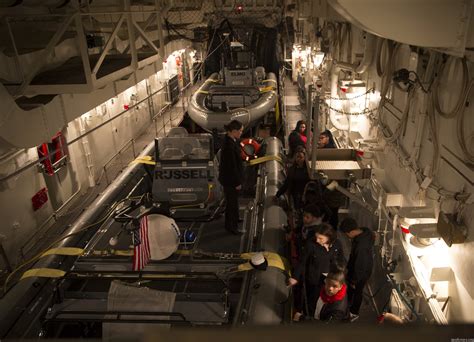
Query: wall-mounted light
column 318, row 59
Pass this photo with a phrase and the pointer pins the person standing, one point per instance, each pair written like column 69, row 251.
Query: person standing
column 326, row 140
column 360, row 264
column 297, row 137
column 322, row 254
column 296, row 180
column 231, row 174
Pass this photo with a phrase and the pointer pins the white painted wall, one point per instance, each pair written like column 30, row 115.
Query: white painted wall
column 453, row 174
column 19, row 221
column 461, row 256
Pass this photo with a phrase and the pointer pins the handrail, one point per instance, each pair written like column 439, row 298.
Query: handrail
column 68, row 143
column 117, row 316
column 130, row 142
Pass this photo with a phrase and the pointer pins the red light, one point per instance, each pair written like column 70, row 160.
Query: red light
column 405, row 230
column 360, row 153
column 343, row 89
column 126, row 107
column 239, row 9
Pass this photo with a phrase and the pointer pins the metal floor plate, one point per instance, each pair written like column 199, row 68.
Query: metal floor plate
column 337, row 165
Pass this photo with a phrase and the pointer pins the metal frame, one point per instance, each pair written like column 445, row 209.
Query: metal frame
column 74, row 22
column 118, row 317
column 145, row 275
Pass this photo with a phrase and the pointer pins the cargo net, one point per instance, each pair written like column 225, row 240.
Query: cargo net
column 192, row 19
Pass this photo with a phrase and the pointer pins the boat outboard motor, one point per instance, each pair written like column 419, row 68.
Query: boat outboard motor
column 185, row 176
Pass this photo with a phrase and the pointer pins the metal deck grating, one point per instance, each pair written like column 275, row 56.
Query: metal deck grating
column 337, row 165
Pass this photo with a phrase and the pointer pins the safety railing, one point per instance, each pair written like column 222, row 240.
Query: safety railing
column 120, row 155
column 116, row 162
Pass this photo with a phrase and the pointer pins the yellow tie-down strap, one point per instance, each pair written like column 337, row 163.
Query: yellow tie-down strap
column 273, row 259
column 265, row 159
column 43, row 272
column 266, row 89
column 211, row 80
column 270, row 80
column 144, row 160
column 202, row 92
column 63, row 251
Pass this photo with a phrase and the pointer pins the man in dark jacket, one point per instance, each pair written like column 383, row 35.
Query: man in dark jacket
column 231, row 174
column 360, row 264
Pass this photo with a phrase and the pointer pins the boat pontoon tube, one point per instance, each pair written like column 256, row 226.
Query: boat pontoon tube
column 209, row 119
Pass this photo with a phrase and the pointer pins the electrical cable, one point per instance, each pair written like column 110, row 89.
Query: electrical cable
column 168, row 26
column 460, row 126
column 418, row 80
column 434, row 137
column 393, row 137
column 380, row 47
column 386, row 79
column 462, row 95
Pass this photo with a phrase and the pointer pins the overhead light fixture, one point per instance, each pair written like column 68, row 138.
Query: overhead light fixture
column 318, row 58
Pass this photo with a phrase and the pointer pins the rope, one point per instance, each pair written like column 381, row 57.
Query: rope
column 364, row 112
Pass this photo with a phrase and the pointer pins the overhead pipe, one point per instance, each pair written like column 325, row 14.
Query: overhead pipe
column 370, row 43
column 209, row 119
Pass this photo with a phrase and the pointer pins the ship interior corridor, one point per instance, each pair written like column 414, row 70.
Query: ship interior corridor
column 344, row 129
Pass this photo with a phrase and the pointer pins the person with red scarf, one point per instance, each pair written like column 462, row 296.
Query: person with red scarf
column 332, row 304
column 322, row 254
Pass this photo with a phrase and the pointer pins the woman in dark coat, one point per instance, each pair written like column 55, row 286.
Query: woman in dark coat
column 297, row 138
column 231, row 174
column 320, row 256
column 296, row 180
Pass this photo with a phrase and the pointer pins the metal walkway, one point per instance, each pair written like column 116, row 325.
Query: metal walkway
column 294, row 110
